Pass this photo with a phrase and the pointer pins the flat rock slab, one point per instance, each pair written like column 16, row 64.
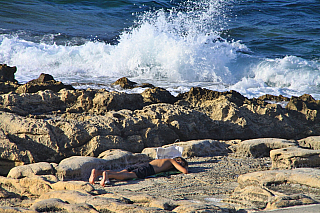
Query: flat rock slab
column 305, row 176
column 261, row 147
column 296, row 209
column 294, row 157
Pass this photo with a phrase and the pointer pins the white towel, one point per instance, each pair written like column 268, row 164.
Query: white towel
column 169, row 152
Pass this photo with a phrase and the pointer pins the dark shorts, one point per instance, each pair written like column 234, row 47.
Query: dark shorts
column 142, row 170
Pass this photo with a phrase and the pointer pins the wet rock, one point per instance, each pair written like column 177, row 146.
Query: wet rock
column 44, row 82
column 125, row 83
column 294, row 157
column 7, row 73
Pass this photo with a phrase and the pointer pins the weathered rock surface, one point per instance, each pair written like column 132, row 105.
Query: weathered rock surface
column 44, row 122
column 260, row 147
column 44, row 82
column 312, row 142
column 256, row 190
column 42, row 168
column 7, row 73
column 294, row 157
column 305, row 176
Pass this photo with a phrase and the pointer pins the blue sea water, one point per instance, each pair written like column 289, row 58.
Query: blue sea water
column 254, row 46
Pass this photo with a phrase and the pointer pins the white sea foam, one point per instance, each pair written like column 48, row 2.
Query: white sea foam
column 175, row 50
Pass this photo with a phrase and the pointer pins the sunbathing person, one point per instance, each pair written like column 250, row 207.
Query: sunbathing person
column 141, row 170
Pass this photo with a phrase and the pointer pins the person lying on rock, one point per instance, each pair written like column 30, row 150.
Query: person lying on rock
column 141, row 170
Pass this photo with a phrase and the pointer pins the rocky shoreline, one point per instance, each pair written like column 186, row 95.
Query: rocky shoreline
column 245, row 154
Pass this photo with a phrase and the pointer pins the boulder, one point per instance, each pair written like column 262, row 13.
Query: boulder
column 11, row 155
column 304, row 176
column 58, row 205
column 8, row 209
column 252, row 196
column 125, row 83
column 35, row 186
column 294, row 157
column 44, row 82
column 42, row 168
column 263, row 198
column 7, row 73
column 70, row 196
column 157, row 95
column 312, row 142
column 79, row 167
column 289, row 200
column 120, row 159
column 260, row 147
column 72, row 185
column 107, row 101
column 32, row 103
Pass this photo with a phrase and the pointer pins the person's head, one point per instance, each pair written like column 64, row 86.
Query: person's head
column 181, row 161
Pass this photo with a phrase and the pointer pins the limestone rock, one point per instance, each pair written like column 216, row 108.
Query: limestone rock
column 305, row 104
column 103, row 102
column 251, row 196
column 304, row 176
column 312, row 142
column 125, row 83
column 44, row 82
column 58, row 205
column 7, row 73
column 42, row 168
column 8, row 209
column 289, row 200
column 79, row 168
column 194, row 207
column 157, row 95
column 35, row 185
column 294, row 157
column 260, row 147
column 262, row 198
column 39, row 102
column 118, row 158
column 70, row 196
column 72, row 185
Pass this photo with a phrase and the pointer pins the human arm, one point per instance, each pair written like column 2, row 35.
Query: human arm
column 179, row 167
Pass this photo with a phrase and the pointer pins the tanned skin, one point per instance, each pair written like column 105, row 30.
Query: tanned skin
column 159, row 165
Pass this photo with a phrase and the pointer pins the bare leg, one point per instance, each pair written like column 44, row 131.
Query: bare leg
column 122, row 175
column 104, row 179
column 94, row 174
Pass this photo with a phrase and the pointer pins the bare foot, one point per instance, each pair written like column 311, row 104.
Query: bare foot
column 93, row 176
column 104, row 179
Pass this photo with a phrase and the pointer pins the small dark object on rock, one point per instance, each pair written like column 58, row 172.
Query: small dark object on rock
column 7, row 73
column 125, row 83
